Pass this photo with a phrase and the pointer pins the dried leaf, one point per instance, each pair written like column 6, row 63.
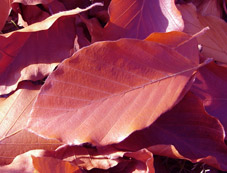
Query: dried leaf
column 137, row 19
column 185, row 132
column 110, row 89
column 15, row 109
column 21, row 142
column 33, row 52
column 210, row 86
column 49, row 165
column 23, row 163
column 214, row 40
column 14, row 112
column 4, row 12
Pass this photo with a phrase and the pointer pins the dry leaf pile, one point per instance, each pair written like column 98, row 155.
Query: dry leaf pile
column 113, row 85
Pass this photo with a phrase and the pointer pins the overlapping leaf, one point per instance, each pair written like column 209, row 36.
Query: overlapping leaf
column 137, row 19
column 33, row 52
column 23, row 162
column 14, row 112
column 110, row 89
column 49, row 165
column 210, row 86
column 4, row 12
column 214, row 41
column 15, row 109
column 185, row 132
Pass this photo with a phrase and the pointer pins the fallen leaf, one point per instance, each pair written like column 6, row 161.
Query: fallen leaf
column 210, row 86
column 14, row 111
column 50, row 164
column 4, row 12
column 33, row 52
column 180, row 42
column 21, row 142
column 106, row 91
column 23, row 163
column 214, row 40
column 32, row 2
column 209, row 7
column 185, row 132
column 106, row 158
column 136, row 19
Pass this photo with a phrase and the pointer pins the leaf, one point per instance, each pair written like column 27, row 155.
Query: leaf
column 49, row 165
column 180, row 42
column 32, row 2
column 33, row 52
column 210, row 86
column 110, row 89
column 185, row 132
column 23, row 162
column 214, row 40
column 4, row 12
column 14, row 111
column 21, row 142
column 209, row 7
column 106, row 158
column 136, row 19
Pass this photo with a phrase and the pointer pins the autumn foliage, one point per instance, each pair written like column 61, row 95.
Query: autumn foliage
column 113, row 85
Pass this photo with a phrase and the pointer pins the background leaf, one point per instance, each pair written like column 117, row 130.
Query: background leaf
column 185, row 132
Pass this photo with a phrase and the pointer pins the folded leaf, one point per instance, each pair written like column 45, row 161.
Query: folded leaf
column 106, row 91
column 137, row 19
column 33, row 52
column 23, row 163
column 185, row 132
column 210, row 86
column 49, row 165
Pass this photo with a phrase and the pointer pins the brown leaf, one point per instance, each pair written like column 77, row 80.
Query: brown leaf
column 14, row 112
column 4, row 12
column 180, row 42
column 209, row 7
column 33, row 52
column 32, row 2
column 21, row 142
column 185, row 132
column 214, row 40
column 136, row 19
column 23, row 163
column 50, row 164
column 15, row 109
column 210, row 86
column 110, row 89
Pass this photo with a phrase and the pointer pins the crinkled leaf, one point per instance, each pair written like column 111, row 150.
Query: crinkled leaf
column 50, row 164
column 23, row 162
column 110, row 89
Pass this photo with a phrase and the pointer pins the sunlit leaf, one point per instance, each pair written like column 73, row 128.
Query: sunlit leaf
column 110, row 89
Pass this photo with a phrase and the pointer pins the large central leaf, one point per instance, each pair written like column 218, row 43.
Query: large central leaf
column 108, row 90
